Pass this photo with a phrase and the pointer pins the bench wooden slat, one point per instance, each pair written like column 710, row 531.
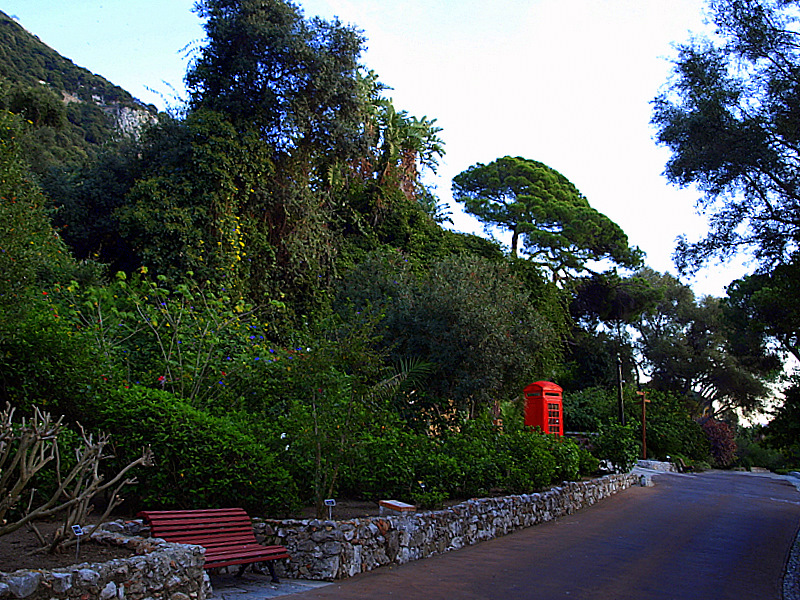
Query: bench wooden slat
column 203, row 533
column 234, row 538
column 226, row 534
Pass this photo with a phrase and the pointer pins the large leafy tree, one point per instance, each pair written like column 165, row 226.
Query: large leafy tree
column 764, row 309
column 544, row 211
column 295, row 79
column 188, row 213
column 688, row 347
column 731, row 118
column 610, row 301
column 783, row 431
column 239, row 191
column 469, row 317
column 341, row 153
column 603, row 307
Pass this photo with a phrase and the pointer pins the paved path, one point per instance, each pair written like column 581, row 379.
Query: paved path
column 716, row 535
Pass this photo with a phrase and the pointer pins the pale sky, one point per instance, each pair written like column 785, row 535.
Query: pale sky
column 565, row 82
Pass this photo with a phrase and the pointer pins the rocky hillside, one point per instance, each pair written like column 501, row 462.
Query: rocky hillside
column 78, row 110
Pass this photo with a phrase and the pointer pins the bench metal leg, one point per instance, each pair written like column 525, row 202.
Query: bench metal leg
column 271, row 568
column 257, row 569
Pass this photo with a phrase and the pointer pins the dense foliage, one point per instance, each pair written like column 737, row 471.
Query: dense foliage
column 261, row 290
column 230, row 333
column 783, row 432
column 693, row 349
column 670, row 429
column 462, row 310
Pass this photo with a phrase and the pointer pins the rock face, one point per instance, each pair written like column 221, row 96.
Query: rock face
column 159, row 571
column 129, row 121
column 329, row 550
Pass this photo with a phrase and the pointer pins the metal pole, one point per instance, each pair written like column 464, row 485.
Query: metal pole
column 644, row 424
column 619, row 391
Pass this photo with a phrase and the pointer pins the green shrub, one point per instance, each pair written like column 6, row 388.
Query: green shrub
column 45, row 362
column 525, row 461
column 618, row 444
column 477, row 460
column 588, row 464
column 201, row 461
column 382, row 466
column 783, row 431
column 435, row 471
column 670, row 429
column 567, row 456
column 474, row 449
column 752, row 450
column 508, row 461
column 407, row 466
column 586, row 409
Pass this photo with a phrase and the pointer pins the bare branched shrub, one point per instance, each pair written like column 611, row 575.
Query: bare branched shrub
column 28, row 447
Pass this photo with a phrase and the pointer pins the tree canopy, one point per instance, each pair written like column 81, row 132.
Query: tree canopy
column 539, row 206
column 690, row 348
column 294, row 78
column 453, row 316
column 765, row 309
column 730, row 117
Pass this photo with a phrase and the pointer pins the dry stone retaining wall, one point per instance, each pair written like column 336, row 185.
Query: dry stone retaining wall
column 329, row 550
column 657, row 465
column 159, row 571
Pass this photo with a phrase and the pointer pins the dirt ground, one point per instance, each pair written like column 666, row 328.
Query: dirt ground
column 21, row 550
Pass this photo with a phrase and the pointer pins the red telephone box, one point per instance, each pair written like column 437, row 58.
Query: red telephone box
column 544, row 407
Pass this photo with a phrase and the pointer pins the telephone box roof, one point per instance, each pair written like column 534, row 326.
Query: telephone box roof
column 543, row 386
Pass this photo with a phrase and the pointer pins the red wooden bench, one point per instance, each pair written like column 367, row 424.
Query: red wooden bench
column 225, row 533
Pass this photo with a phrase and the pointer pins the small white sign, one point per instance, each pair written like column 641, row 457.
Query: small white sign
column 76, row 529
column 330, row 502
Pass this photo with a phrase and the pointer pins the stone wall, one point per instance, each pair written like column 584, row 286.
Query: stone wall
column 329, row 550
column 657, row 465
column 159, row 571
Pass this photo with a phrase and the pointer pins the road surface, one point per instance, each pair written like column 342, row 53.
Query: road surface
column 715, row 535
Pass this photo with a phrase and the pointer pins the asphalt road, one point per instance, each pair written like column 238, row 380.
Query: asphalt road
column 715, row 535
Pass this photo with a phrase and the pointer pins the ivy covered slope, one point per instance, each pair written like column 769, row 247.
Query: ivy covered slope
column 75, row 110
